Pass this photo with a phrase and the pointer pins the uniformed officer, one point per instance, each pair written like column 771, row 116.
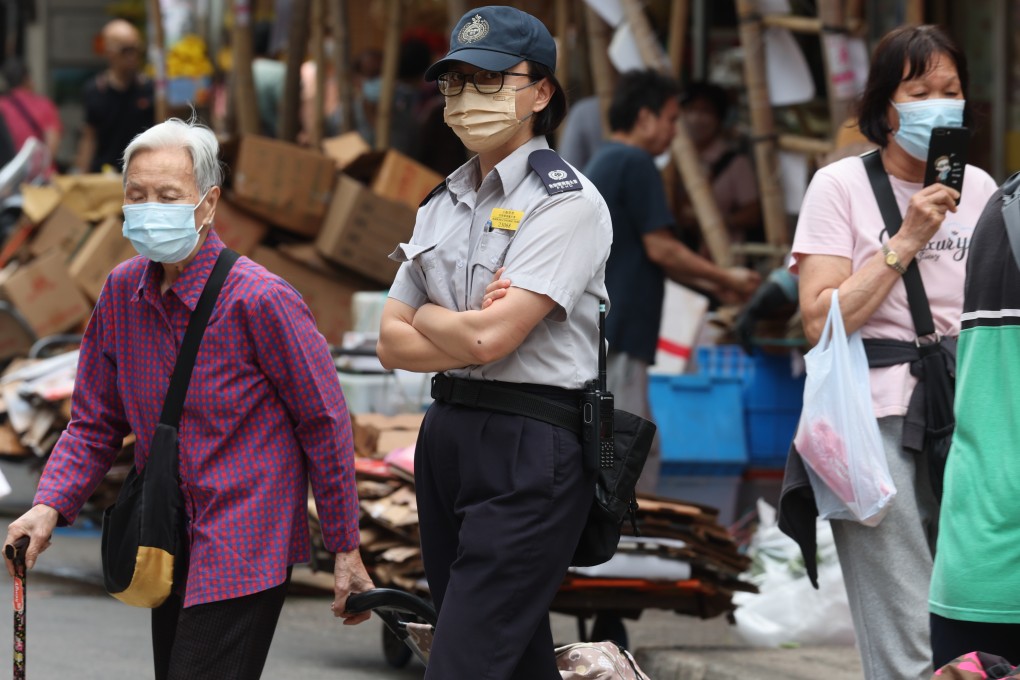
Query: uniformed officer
column 502, row 491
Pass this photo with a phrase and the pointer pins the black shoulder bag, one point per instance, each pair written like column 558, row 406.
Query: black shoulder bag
column 142, row 530
column 938, row 382
column 616, row 443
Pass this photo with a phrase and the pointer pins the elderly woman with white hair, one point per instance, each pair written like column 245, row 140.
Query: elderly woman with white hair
column 264, row 414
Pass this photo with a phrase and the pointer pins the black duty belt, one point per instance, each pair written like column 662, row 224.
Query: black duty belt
column 509, row 398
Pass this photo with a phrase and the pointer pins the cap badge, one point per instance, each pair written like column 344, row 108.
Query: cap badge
column 474, row 30
column 557, row 175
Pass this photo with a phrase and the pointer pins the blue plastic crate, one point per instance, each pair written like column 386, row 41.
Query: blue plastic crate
column 769, row 433
column 772, row 398
column 701, row 424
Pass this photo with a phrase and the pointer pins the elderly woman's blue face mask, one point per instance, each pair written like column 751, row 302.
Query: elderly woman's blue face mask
column 162, row 232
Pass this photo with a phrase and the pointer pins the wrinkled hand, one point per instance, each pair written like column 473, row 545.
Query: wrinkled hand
column 926, row 212
column 351, row 577
column 495, row 290
column 38, row 524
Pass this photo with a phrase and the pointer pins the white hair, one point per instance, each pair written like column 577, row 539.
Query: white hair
column 199, row 141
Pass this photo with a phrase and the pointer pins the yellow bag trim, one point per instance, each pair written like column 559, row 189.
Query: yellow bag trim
column 152, row 580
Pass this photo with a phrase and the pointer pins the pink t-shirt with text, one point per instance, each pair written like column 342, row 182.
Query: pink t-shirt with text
column 839, row 216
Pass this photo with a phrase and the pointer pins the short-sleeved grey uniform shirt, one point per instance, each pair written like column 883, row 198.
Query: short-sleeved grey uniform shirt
column 551, row 245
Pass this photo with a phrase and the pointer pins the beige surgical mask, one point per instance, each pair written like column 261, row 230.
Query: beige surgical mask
column 484, row 122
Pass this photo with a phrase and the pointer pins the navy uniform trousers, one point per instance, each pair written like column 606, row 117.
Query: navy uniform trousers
column 501, row 500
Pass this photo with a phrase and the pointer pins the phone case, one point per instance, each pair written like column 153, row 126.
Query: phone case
column 947, row 157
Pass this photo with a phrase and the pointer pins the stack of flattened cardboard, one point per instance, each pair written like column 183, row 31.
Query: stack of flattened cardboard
column 688, row 533
column 685, row 533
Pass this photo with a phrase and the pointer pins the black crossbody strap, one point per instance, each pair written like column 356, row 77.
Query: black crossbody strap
column 924, row 325
column 173, row 405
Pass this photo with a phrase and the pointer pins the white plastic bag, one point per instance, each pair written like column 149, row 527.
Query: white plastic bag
column 786, row 609
column 838, row 435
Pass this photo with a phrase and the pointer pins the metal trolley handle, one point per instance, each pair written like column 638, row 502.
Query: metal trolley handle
column 389, row 599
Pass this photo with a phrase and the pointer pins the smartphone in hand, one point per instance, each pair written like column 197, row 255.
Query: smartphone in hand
column 947, row 157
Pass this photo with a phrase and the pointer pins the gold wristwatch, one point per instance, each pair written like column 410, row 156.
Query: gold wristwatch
column 892, row 259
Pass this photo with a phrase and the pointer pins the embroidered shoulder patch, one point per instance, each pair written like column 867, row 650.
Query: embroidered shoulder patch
column 554, row 172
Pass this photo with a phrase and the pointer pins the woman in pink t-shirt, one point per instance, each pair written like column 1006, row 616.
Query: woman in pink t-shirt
column 918, row 80
column 26, row 113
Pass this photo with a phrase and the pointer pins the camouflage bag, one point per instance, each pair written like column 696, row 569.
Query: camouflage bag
column 597, row 661
column 977, row 665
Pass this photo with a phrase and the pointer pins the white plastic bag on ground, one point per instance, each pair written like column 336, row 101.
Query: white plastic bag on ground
column 788, row 610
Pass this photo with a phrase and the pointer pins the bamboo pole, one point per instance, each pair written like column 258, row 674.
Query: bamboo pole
column 563, row 42
column 678, row 19
column 762, row 124
column 649, row 47
column 808, row 145
column 297, row 41
column 830, row 14
column 699, row 190
column 245, row 103
column 797, row 24
column 342, row 62
column 455, row 9
column 855, row 16
column 158, row 52
column 319, row 57
column 391, row 54
column 603, row 75
column 914, row 12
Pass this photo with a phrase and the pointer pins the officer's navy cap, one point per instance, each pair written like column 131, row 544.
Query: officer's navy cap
column 496, row 38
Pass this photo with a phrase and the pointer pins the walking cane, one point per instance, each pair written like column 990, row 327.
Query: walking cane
column 16, row 554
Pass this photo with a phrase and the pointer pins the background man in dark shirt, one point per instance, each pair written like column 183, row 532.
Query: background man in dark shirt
column 642, row 117
column 118, row 101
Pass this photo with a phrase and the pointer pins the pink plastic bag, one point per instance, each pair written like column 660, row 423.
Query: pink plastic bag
column 838, row 434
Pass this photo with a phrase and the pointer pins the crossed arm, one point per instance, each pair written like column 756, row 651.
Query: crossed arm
column 433, row 338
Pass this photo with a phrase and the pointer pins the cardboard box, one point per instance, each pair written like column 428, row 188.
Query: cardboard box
column 345, row 148
column 92, row 197
column 283, row 183
column 45, row 295
column 103, row 250
column 62, row 230
column 392, row 175
column 15, row 338
column 37, row 202
column 328, row 297
column 361, row 229
column 240, row 231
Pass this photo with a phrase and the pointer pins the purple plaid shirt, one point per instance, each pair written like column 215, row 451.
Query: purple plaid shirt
column 263, row 415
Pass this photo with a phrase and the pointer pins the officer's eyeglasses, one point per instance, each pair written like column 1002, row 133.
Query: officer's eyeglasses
column 452, row 83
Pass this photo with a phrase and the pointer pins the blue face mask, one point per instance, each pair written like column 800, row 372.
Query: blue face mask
column 162, row 232
column 917, row 119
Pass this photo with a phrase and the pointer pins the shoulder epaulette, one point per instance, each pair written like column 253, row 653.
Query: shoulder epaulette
column 554, row 172
column 436, row 190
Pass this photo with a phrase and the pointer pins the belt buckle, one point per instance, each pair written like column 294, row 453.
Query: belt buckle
column 442, row 387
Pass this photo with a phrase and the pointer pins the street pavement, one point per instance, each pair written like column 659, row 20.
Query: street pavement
column 76, row 630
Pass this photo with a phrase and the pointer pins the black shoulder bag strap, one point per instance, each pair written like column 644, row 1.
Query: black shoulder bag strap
column 27, row 116
column 924, row 325
column 173, row 405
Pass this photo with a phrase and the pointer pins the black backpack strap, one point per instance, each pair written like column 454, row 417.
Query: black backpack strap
column 924, row 325
column 1011, row 214
column 554, row 172
column 173, row 405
